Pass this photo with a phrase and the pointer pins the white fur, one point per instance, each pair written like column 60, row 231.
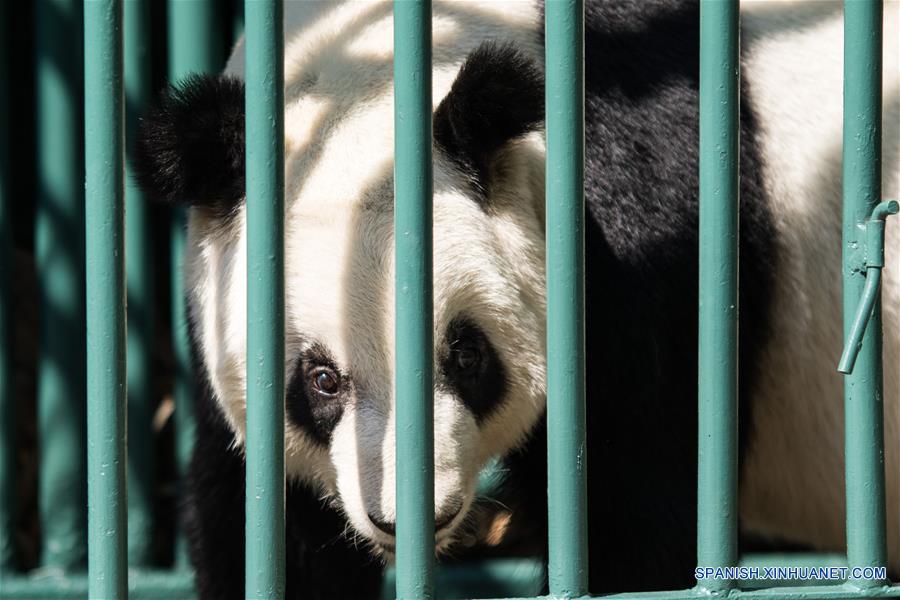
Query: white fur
column 794, row 478
column 340, row 263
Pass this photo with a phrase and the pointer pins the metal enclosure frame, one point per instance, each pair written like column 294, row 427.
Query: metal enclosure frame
column 113, row 66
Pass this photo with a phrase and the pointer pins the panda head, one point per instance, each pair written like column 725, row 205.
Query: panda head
column 489, row 303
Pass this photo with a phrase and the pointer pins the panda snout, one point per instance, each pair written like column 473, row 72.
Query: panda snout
column 441, row 521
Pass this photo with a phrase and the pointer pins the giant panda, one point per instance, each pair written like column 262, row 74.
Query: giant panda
column 641, row 184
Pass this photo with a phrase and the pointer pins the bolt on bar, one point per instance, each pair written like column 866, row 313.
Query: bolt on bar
column 193, row 48
column 864, row 409
column 566, row 443
column 8, row 469
column 718, row 298
column 139, row 274
column 59, row 251
column 105, row 262
column 264, row 77
column 414, row 391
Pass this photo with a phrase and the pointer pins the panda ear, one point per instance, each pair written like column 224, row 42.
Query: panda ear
column 498, row 95
column 190, row 145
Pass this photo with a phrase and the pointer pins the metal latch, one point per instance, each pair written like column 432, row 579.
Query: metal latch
column 874, row 264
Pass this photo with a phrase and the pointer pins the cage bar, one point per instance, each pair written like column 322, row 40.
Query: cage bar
column 718, row 297
column 193, row 48
column 105, row 262
column 59, row 252
column 566, row 444
column 7, row 400
column 141, row 300
column 414, row 391
column 864, row 407
column 264, row 78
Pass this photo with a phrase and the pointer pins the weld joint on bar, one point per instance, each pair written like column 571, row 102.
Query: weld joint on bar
column 874, row 262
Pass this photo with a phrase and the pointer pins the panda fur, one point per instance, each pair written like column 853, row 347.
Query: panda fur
column 641, row 156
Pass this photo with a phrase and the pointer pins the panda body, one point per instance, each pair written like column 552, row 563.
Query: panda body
column 793, row 476
column 489, row 303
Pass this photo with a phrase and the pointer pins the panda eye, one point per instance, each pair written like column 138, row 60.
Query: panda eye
column 471, row 367
column 466, row 357
column 325, row 381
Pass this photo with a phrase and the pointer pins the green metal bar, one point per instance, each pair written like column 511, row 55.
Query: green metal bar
column 264, row 79
column 141, row 324
column 864, row 407
column 718, row 305
column 788, row 560
column 105, row 260
column 193, row 48
column 142, row 585
column 413, row 188
column 59, row 251
column 567, row 494
column 178, row 585
column 8, row 436
column 481, row 578
column 182, row 373
column 194, row 41
column 833, row 592
column 166, row 585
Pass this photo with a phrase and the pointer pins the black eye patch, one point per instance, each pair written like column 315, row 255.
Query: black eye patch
column 471, row 367
column 316, row 394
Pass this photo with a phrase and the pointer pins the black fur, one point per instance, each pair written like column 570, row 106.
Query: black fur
column 190, row 145
column 497, row 96
column 641, row 185
column 315, row 414
column 641, row 188
column 482, row 387
column 321, row 563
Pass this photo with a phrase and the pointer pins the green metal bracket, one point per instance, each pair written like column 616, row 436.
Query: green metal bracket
column 874, row 263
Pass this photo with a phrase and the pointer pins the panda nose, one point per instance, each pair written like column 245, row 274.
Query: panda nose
column 389, row 528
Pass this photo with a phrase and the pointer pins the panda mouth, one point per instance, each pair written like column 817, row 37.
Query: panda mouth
column 444, row 538
column 443, row 534
column 389, row 550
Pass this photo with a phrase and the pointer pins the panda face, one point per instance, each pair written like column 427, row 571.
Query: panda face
column 339, row 269
column 488, row 248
